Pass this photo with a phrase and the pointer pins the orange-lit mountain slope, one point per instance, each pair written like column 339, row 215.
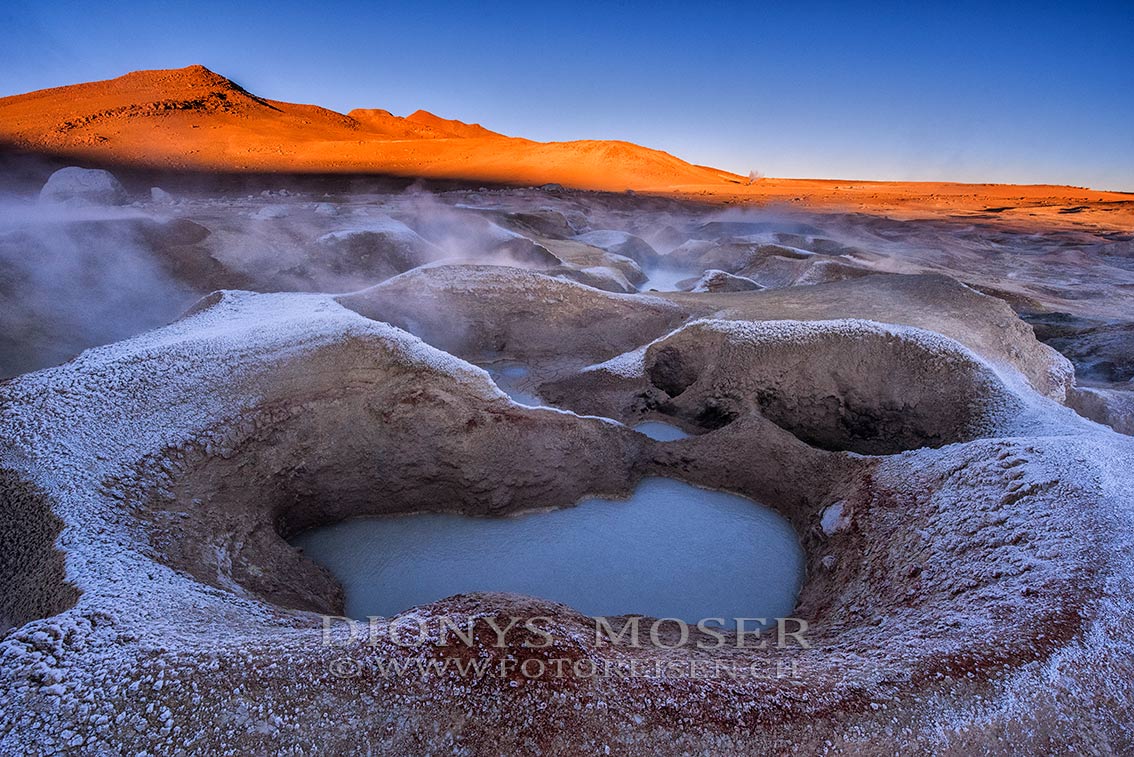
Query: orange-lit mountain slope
column 194, row 118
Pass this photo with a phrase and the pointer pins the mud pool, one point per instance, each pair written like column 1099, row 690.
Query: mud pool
column 662, row 432
column 664, row 279
column 670, row 550
column 513, row 379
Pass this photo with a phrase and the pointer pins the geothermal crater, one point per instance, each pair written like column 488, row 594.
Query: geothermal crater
column 670, row 550
column 462, row 358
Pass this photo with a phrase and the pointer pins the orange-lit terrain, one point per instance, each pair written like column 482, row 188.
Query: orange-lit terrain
column 192, row 118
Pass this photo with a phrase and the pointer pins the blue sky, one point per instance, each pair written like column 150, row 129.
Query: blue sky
column 1036, row 92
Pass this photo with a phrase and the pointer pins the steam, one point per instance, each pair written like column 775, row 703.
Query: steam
column 346, row 244
column 73, row 278
column 74, row 275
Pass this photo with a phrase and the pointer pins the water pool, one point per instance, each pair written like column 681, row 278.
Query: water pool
column 513, row 380
column 663, row 432
column 670, row 550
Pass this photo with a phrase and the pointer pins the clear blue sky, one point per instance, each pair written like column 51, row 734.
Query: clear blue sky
column 983, row 91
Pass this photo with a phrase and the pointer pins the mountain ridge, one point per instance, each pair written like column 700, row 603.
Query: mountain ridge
column 195, row 118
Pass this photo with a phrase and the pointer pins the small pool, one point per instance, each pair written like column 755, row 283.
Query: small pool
column 670, row 550
column 513, row 380
column 664, row 279
column 663, row 432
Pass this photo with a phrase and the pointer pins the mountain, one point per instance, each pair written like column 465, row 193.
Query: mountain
column 420, row 124
column 193, row 118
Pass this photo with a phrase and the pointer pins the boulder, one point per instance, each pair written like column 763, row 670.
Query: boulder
column 159, row 196
column 83, row 187
column 714, row 280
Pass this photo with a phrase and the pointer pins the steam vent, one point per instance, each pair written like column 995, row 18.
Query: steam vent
column 358, row 434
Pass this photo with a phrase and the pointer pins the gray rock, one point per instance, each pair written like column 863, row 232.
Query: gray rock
column 271, row 212
column 160, row 196
column 83, row 187
column 714, row 280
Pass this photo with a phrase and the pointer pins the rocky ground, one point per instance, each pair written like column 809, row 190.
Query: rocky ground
column 933, row 403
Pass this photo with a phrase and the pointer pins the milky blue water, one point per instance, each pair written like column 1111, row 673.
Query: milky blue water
column 664, row 279
column 663, row 432
column 511, row 378
column 671, row 550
